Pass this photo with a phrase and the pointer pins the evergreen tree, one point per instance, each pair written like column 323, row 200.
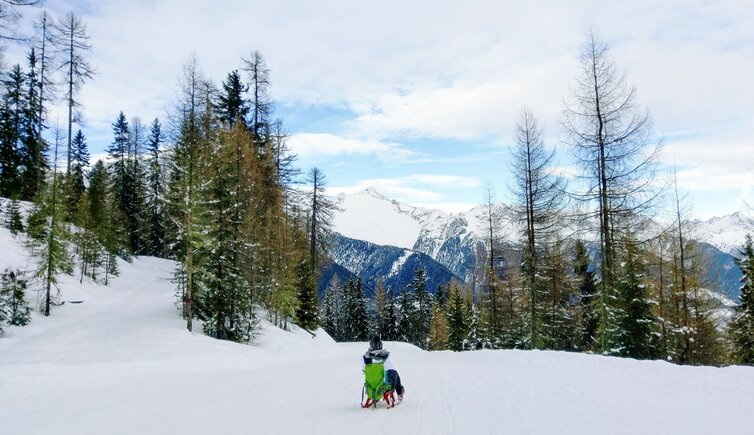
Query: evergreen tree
column 102, row 214
column 357, row 318
column 34, row 146
column 75, row 187
column 632, row 335
column 390, row 318
column 406, row 317
column 557, row 311
column 741, row 329
column 51, row 254
column 457, row 318
column 422, row 313
column 586, row 288
column 231, row 104
column 333, row 310
column 11, row 130
column 259, row 83
column 13, row 221
column 157, row 226
column 13, row 299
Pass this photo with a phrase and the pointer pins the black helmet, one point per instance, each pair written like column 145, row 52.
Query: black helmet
column 376, row 343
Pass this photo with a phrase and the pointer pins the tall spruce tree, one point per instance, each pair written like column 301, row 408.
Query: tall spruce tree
column 75, row 187
column 586, row 288
column 11, row 132
column 13, row 307
column 33, row 160
column 157, row 226
column 741, row 329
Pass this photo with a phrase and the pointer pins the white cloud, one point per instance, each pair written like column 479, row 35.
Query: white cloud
column 330, row 145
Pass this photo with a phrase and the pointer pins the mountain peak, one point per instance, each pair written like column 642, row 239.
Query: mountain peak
column 371, row 191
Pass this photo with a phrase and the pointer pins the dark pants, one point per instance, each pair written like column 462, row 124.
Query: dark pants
column 395, row 381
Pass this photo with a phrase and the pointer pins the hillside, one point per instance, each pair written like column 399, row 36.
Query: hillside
column 121, row 362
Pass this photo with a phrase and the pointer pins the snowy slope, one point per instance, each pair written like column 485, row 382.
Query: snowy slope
column 371, row 217
column 121, row 362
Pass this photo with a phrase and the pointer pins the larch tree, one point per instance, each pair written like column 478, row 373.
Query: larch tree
column 538, row 207
column 611, row 140
column 72, row 44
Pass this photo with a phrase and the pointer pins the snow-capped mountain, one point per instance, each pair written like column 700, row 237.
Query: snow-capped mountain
column 726, row 233
column 453, row 239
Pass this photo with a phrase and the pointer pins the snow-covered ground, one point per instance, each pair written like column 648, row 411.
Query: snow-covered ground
column 122, row 362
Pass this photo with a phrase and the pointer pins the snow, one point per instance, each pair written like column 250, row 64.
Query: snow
column 122, row 362
column 370, row 216
column 398, row 264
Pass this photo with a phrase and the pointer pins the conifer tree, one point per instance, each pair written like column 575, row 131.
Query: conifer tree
column 259, row 83
column 33, row 145
column 586, row 288
column 333, row 310
column 13, row 299
column 379, row 302
column 52, row 256
column 75, row 187
column 357, row 318
column 11, row 130
column 390, row 317
column 406, row 317
column 13, row 221
column 232, row 106
column 457, row 318
column 438, row 329
column 422, row 313
column 102, row 218
column 741, row 329
column 157, row 227
column 538, row 206
column 632, row 335
column 72, row 43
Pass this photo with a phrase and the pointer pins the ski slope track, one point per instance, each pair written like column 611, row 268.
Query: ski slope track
column 121, row 362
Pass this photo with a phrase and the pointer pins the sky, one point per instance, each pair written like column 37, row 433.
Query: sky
column 420, row 99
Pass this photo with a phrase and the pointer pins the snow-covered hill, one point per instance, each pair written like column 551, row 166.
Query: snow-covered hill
column 121, row 362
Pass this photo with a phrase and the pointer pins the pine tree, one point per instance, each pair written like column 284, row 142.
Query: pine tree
column 102, row 214
column 632, row 334
column 557, row 311
column 586, row 288
column 51, row 254
column 457, row 318
column 75, row 187
column 13, row 299
column 406, row 317
column 741, row 329
column 259, row 83
column 333, row 310
column 356, row 325
column 13, row 221
column 11, row 132
column 157, row 227
column 231, row 104
column 34, row 146
column 379, row 302
column 423, row 309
